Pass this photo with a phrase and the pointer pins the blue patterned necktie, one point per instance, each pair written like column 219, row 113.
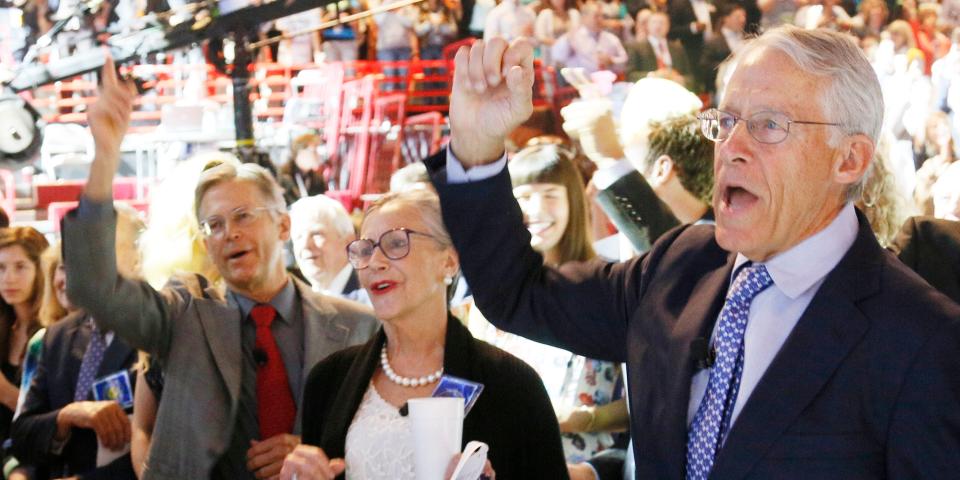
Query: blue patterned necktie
column 712, row 420
column 91, row 363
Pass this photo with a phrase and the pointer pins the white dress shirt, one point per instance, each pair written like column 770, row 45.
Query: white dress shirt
column 336, row 285
column 509, row 20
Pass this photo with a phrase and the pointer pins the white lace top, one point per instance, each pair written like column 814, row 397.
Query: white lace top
column 379, row 443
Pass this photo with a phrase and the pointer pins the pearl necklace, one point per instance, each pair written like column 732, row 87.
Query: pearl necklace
column 406, row 381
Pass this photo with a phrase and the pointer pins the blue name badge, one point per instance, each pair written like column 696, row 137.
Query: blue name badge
column 451, row 386
column 115, row 387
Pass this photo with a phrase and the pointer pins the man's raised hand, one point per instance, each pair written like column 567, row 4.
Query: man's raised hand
column 109, row 118
column 492, row 95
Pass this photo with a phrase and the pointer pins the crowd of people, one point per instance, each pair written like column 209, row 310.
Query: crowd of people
column 745, row 263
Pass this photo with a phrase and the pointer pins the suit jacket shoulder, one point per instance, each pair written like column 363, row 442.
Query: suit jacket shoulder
column 931, row 247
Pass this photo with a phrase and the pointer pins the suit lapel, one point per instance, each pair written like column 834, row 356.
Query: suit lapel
column 221, row 328
column 829, row 328
column 324, row 332
column 115, row 358
column 353, row 283
column 696, row 320
column 78, row 335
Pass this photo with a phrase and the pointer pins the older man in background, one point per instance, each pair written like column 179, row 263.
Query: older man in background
column 320, row 230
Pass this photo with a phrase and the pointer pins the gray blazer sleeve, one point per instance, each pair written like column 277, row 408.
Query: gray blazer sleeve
column 133, row 309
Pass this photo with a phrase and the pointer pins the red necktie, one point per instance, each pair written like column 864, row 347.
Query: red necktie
column 276, row 410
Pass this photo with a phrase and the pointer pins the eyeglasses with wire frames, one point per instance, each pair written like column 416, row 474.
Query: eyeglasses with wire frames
column 765, row 127
column 395, row 244
column 216, row 225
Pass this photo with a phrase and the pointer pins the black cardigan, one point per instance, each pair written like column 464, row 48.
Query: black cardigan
column 513, row 414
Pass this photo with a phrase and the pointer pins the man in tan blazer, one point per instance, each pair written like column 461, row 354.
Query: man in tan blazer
column 233, row 376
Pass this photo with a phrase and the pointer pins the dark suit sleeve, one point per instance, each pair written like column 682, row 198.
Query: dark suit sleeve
column 36, row 427
column 924, row 435
column 636, row 210
column 640, row 60
column 583, row 307
column 681, row 63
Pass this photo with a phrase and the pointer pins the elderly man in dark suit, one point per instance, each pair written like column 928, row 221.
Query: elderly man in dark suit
column 727, row 40
column 234, row 362
column 783, row 342
column 655, row 55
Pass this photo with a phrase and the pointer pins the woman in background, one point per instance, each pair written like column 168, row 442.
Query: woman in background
column 21, row 289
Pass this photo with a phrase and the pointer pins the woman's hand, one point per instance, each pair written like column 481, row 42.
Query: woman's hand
column 492, row 95
column 307, row 462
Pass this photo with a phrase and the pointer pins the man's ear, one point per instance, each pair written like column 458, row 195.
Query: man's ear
column 854, row 159
column 662, row 171
column 284, row 225
column 451, row 264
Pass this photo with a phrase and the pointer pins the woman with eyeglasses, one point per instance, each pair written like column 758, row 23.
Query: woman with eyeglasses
column 354, row 415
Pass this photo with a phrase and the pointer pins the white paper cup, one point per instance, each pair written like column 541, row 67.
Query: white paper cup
column 437, row 427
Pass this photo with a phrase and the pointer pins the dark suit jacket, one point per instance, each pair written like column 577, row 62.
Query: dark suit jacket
column 681, row 16
column 513, row 414
column 715, row 51
column 642, row 60
column 931, row 247
column 865, row 386
column 52, row 388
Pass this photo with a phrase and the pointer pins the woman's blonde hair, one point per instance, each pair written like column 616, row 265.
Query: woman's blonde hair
column 50, row 308
column 172, row 242
column 881, row 203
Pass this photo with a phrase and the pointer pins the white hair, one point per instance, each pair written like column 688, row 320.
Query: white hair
column 853, row 98
column 324, row 210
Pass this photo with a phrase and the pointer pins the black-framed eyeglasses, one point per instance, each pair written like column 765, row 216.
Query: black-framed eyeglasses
column 765, row 127
column 395, row 244
column 216, row 225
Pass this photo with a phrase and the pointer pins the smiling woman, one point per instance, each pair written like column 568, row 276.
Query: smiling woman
column 354, row 415
column 21, row 289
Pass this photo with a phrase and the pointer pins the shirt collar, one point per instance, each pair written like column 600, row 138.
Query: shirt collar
column 801, row 267
column 339, row 282
column 284, row 302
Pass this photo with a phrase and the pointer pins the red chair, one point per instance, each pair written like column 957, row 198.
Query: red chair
column 450, row 50
column 56, row 210
column 355, row 120
column 386, row 139
column 422, row 136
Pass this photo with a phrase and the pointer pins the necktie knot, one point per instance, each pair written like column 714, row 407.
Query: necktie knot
column 263, row 315
column 749, row 282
